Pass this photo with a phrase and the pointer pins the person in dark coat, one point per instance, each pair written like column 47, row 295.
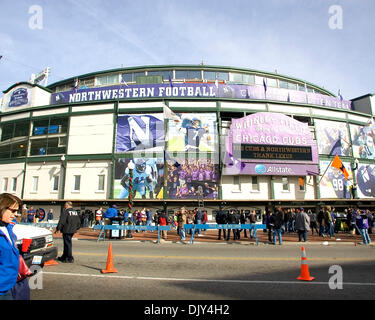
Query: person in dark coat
column 221, row 218
column 68, row 225
column 276, row 221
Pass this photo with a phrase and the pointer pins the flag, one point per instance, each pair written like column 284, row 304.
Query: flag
column 169, row 114
column 288, row 97
column 340, row 96
column 337, row 163
column 264, row 84
column 76, row 85
column 170, row 81
column 1, row 57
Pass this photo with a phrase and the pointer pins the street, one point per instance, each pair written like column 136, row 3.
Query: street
column 209, row 271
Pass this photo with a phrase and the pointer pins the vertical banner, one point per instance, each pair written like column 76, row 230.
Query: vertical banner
column 193, row 132
column 363, row 140
column 147, row 178
column 333, row 138
column 137, row 132
column 192, row 178
column 334, row 185
column 366, row 181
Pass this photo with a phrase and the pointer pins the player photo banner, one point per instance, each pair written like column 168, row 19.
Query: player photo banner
column 363, row 140
column 334, row 185
column 136, row 132
column 192, row 178
column 193, row 132
column 147, row 177
column 366, row 181
column 333, row 138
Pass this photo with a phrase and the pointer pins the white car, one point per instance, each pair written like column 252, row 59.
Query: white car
column 42, row 247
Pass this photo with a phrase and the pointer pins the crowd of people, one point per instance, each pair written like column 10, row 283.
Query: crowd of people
column 325, row 223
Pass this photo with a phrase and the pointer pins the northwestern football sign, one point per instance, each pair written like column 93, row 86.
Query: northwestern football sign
column 268, row 143
column 202, row 90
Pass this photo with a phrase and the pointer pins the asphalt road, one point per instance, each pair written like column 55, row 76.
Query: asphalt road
column 209, row 271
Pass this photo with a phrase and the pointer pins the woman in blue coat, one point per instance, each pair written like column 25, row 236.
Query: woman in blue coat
column 9, row 255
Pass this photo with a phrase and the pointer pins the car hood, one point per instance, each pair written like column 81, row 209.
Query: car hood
column 28, row 232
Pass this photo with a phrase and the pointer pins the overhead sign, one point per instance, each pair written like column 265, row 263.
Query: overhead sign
column 201, row 90
column 20, row 96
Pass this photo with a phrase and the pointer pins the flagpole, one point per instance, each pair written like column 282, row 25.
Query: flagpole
column 325, row 171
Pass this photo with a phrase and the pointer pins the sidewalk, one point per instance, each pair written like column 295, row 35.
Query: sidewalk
column 211, row 236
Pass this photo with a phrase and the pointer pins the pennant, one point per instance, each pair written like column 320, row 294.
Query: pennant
column 170, row 81
column 76, row 85
column 169, row 114
column 337, row 163
column 340, row 96
column 264, row 84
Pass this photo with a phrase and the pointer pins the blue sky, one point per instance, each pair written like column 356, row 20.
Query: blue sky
column 290, row 36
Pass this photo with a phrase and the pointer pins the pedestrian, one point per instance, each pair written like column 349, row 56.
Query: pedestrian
column 99, row 215
column 9, row 263
column 37, row 216
column 253, row 220
column 328, row 219
column 269, row 227
column 69, row 223
column 50, row 215
column 370, row 221
column 198, row 220
column 221, row 219
column 349, row 217
column 163, row 221
column 181, row 219
column 31, row 215
column 321, row 222
column 313, row 218
column 362, row 223
column 24, row 213
column 190, row 220
column 302, row 224
column 205, row 218
column 148, row 217
column 243, row 220
column 276, row 222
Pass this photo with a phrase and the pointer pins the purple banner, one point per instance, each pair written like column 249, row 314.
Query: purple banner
column 205, row 90
column 270, row 144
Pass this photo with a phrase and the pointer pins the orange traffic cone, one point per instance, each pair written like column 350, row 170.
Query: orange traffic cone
column 51, row 263
column 109, row 268
column 305, row 274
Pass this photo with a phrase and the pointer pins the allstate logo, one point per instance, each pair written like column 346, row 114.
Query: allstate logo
column 260, row 169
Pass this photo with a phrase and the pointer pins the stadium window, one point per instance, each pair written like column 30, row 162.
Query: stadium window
column 7, row 131
column 310, row 90
column 127, row 77
column 77, row 183
column 4, row 185
column 209, row 75
column 302, row 183
column 55, row 183
column 189, row 74
column 38, row 147
column 236, row 184
column 285, row 182
column 292, row 86
column 34, row 184
column 243, row 78
column 14, row 184
column 271, row 82
column 254, row 183
column 108, row 79
column 166, row 74
column 223, row 76
column 101, row 182
column 301, row 87
column 283, row 84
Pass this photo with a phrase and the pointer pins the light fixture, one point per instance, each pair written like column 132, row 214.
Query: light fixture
column 131, row 165
column 62, row 158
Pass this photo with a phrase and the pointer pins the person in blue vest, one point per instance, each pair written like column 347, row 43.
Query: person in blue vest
column 111, row 212
column 9, row 262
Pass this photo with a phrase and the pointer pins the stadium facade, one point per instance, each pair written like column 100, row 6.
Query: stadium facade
column 196, row 134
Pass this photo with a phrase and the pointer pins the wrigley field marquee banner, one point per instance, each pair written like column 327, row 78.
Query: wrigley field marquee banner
column 267, row 143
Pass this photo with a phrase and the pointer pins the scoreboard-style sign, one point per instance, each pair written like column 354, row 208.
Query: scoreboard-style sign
column 274, row 152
